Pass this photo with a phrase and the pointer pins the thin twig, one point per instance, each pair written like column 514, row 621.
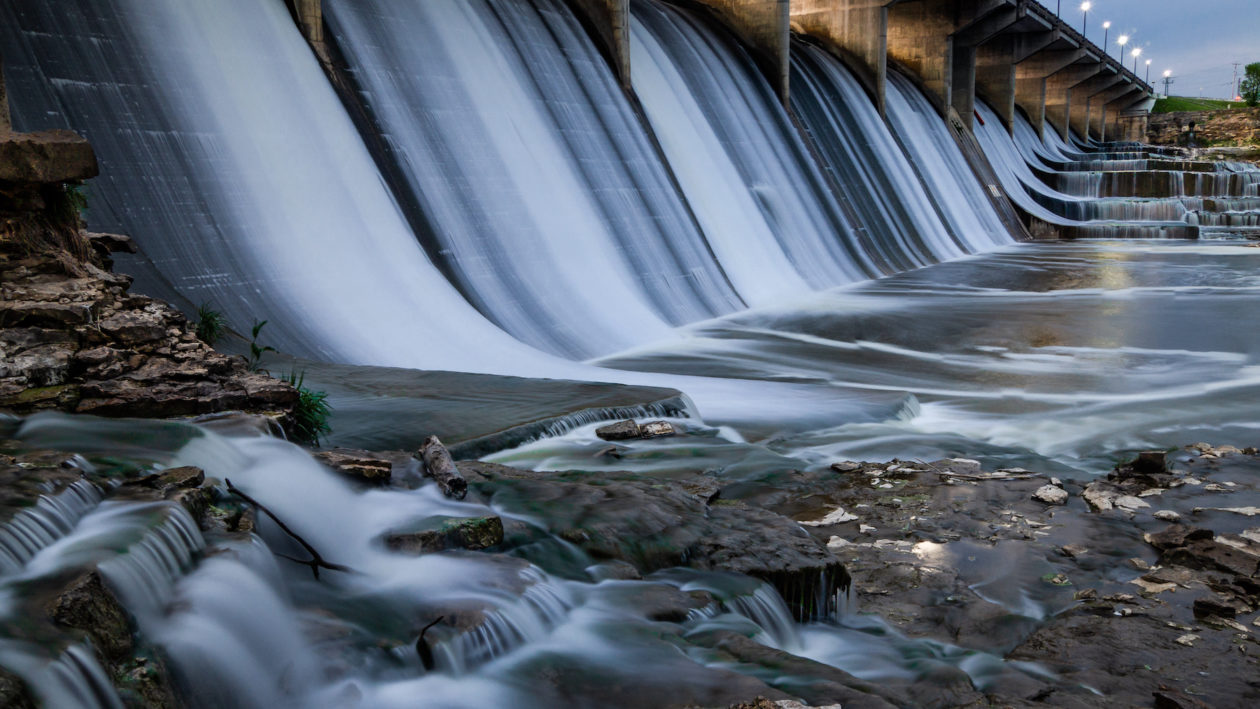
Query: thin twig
column 316, row 562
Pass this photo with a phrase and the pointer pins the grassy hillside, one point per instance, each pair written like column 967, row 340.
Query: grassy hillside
column 1185, row 103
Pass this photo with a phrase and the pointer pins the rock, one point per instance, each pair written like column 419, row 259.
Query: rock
column 14, row 693
column 658, row 523
column 1212, row 555
column 1100, row 496
column 620, row 431
column 1167, row 516
column 111, row 243
column 1187, row 640
column 185, row 476
column 836, row 516
column 133, row 328
column 1168, row 698
column 89, row 606
column 1130, row 503
column 1073, row 550
column 1150, row 463
column 46, row 157
column 1051, row 495
column 449, row 533
column 657, row 429
column 1177, row 535
column 1217, row 606
column 846, row 466
column 362, row 466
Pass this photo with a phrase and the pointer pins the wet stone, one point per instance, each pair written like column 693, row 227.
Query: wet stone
column 449, row 533
column 620, row 431
column 362, row 466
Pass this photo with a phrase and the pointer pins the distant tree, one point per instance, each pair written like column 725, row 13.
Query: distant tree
column 1250, row 87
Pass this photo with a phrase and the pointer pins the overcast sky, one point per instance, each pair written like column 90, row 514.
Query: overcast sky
column 1199, row 40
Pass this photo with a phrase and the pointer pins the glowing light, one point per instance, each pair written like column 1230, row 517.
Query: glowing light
column 1137, row 51
column 1086, row 5
column 1122, row 40
column 1107, row 25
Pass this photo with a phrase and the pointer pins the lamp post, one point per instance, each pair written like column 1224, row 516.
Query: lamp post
column 1148, row 72
column 1122, row 40
column 1167, row 81
column 1137, row 52
column 1106, row 29
column 1085, row 18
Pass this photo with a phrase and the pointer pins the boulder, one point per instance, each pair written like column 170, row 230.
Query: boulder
column 656, row 429
column 449, row 533
column 1050, row 495
column 362, row 466
column 45, row 157
column 656, row 524
column 620, row 431
column 87, row 605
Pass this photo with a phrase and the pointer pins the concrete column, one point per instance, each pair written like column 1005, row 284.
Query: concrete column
column 1032, row 61
column 1059, row 92
column 1084, row 104
column 966, row 42
column 995, row 75
column 921, row 35
column 764, row 26
column 610, row 20
column 858, row 29
column 1113, row 101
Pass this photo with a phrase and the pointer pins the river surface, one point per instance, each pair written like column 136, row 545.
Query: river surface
column 1059, row 357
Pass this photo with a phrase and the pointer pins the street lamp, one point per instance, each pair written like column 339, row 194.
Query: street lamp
column 1137, row 52
column 1106, row 29
column 1148, row 71
column 1085, row 9
column 1122, row 40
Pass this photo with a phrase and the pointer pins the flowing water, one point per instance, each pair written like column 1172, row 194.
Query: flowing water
column 486, row 198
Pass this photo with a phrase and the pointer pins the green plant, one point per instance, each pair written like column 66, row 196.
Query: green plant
column 210, row 324
column 1249, row 89
column 256, row 351
column 67, row 205
column 312, row 410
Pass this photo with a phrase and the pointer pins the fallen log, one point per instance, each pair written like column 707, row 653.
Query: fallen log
column 316, row 561
column 439, row 465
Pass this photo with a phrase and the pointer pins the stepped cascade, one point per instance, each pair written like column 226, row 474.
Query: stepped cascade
column 831, row 245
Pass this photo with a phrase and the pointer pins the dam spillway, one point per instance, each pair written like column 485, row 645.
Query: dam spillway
column 816, row 249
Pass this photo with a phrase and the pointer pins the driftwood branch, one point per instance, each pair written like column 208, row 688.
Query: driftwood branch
column 316, row 561
column 426, row 654
column 439, row 465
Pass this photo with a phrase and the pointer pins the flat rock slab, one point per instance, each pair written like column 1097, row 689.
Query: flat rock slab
column 385, row 408
column 45, row 157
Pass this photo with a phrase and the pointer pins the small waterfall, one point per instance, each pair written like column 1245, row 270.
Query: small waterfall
column 948, row 178
column 866, row 161
column 145, row 576
column 53, row 517
column 542, row 606
column 765, row 207
column 72, row 679
column 551, row 206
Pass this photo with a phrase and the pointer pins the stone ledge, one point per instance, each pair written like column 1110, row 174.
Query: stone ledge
column 46, row 157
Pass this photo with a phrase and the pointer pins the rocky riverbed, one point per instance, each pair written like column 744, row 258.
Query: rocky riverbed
column 1136, row 589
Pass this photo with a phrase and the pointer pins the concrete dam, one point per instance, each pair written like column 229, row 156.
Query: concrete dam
column 883, row 269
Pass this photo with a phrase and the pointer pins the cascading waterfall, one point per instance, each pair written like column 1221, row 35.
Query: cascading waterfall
column 949, row 180
column 550, row 203
column 247, row 188
column 902, row 222
column 766, row 208
column 1035, row 197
